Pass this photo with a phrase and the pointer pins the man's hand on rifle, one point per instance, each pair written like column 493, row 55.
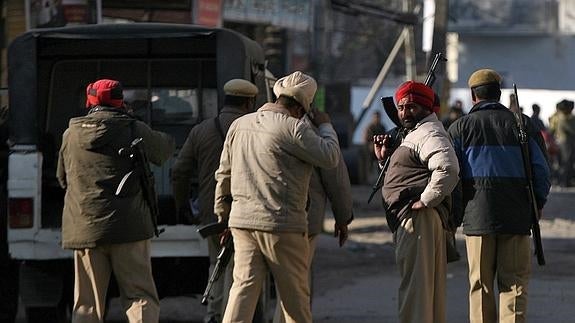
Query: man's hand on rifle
column 225, row 236
column 340, row 230
column 418, row 205
column 380, row 144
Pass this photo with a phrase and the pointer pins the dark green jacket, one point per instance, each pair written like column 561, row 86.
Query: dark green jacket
column 90, row 169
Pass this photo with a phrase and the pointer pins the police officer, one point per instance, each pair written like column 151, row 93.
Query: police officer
column 262, row 186
column 108, row 233
column 422, row 174
column 325, row 184
column 201, row 155
column 496, row 206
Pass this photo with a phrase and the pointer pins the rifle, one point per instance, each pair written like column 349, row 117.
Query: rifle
column 524, row 141
column 224, row 255
column 397, row 132
column 142, row 167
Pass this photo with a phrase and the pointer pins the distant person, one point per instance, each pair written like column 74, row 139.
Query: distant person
column 200, row 155
column 563, row 128
column 537, row 122
column 109, row 231
column 455, row 112
column 494, row 206
column 421, row 176
column 375, row 127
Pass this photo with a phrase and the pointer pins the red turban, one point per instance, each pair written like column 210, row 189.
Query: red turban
column 104, row 92
column 415, row 92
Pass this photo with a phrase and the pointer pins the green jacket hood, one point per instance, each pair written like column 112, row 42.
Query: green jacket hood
column 98, row 129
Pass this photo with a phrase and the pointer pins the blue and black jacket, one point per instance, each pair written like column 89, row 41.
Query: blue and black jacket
column 493, row 195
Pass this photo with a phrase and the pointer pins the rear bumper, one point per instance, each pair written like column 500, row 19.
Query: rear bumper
column 45, row 244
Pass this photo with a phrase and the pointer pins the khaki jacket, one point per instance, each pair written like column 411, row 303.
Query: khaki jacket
column 265, row 170
column 200, row 156
column 90, row 170
column 329, row 184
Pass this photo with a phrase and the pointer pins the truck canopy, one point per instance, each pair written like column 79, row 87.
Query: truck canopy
column 50, row 68
column 172, row 77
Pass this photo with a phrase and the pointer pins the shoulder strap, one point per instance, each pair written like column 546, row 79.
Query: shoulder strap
column 219, row 128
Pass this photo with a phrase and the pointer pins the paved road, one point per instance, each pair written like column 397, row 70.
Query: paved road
column 358, row 283
column 372, row 298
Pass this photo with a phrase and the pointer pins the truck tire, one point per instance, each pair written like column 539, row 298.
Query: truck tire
column 58, row 314
column 9, row 290
column 46, row 290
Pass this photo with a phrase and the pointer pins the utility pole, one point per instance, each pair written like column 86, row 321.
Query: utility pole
column 319, row 38
column 409, row 45
column 385, row 68
column 439, row 46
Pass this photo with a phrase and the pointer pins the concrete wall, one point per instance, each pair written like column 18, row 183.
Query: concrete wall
column 542, row 66
column 532, row 62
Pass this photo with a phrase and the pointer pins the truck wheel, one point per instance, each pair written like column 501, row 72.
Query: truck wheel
column 9, row 290
column 59, row 314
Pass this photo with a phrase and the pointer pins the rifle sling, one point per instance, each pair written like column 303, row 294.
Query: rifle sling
column 219, row 128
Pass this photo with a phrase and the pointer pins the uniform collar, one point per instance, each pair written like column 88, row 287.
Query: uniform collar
column 232, row 109
column 487, row 104
column 274, row 107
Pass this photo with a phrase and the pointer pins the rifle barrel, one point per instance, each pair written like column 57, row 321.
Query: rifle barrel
column 524, row 142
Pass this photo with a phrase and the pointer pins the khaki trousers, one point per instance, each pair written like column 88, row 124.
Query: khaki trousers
column 279, row 316
column 285, row 254
column 421, row 258
column 130, row 263
column 509, row 258
column 221, row 287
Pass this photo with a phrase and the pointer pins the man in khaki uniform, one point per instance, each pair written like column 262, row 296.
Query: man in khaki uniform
column 497, row 213
column 326, row 184
column 262, row 187
column 109, row 230
column 422, row 174
column 201, row 155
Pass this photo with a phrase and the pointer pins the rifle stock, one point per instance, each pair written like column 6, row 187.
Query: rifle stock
column 224, row 255
column 212, row 228
column 142, row 167
column 391, row 111
column 524, row 141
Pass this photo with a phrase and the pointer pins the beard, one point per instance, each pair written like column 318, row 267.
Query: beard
column 410, row 121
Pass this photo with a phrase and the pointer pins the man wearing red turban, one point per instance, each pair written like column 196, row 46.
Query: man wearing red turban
column 104, row 93
column 422, row 173
column 108, row 229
